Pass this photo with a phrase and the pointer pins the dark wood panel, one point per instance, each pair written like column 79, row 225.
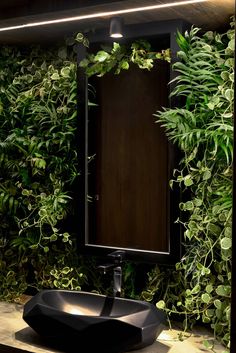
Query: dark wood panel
column 132, row 161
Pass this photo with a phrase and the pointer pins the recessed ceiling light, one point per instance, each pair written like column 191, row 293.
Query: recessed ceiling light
column 101, row 14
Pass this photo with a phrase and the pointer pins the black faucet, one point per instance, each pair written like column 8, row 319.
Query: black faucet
column 117, row 258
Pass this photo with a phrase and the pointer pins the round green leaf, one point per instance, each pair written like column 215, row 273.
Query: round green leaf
column 65, row 71
column 79, row 37
column 101, row 56
column 29, row 78
column 222, row 217
column 226, row 243
column 206, row 298
column 210, row 312
column 66, row 270
column 215, row 209
column 53, row 272
column 55, row 76
column 206, row 175
column 197, row 202
column 125, row 65
column 161, row 304
column 209, row 288
column 188, row 180
column 211, row 105
column 209, row 35
column 228, row 232
column 196, row 289
column 229, row 62
column 223, row 291
column 188, row 234
column 217, row 304
column 65, row 282
column 231, row 76
column 86, row 42
column 231, row 45
column 53, row 237
column 224, row 75
column 56, row 283
column 213, row 228
column 229, row 94
column 189, row 205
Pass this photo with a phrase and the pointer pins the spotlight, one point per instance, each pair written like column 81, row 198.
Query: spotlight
column 116, row 27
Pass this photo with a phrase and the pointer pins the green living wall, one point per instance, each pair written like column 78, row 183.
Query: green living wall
column 203, row 130
column 39, row 168
column 39, row 172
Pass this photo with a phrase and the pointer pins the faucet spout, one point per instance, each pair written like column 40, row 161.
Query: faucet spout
column 117, row 257
column 117, row 280
column 105, row 268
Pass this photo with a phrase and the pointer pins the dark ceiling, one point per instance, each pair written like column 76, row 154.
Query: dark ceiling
column 211, row 14
column 16, row 8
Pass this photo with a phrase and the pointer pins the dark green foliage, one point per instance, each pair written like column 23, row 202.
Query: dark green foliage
column 39, row 171
column 203, row 129
column 120, row 57
column 38, row 161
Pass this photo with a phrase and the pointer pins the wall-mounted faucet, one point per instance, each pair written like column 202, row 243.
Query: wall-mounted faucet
column 117, row 259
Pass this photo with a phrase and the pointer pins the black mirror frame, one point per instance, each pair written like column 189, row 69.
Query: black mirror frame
column 159, row 29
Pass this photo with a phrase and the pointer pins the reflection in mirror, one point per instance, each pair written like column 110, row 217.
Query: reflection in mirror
column 129, row 180
column 129, row 158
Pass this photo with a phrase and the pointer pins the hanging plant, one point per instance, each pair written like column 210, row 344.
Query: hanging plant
column 120, row 56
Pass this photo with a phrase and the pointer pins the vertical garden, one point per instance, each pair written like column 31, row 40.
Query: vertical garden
column 38, row 100
column 203, row 130
column 39, row 172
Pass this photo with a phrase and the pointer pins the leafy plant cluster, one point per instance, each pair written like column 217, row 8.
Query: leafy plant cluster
column 203, row 129
column 39, row 168
column 120, row 57
column 39, row 171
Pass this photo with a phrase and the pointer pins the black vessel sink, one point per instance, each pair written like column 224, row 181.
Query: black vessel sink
column 109, row 324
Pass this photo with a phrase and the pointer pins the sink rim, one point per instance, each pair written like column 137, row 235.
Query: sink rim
column 40, row 299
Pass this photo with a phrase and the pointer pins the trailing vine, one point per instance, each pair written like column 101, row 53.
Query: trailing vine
column 120, row 57
column 203, row 129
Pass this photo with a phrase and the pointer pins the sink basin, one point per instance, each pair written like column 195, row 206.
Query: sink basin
column 94, row 321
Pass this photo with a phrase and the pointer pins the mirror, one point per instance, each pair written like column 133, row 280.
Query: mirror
column 128, row 161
